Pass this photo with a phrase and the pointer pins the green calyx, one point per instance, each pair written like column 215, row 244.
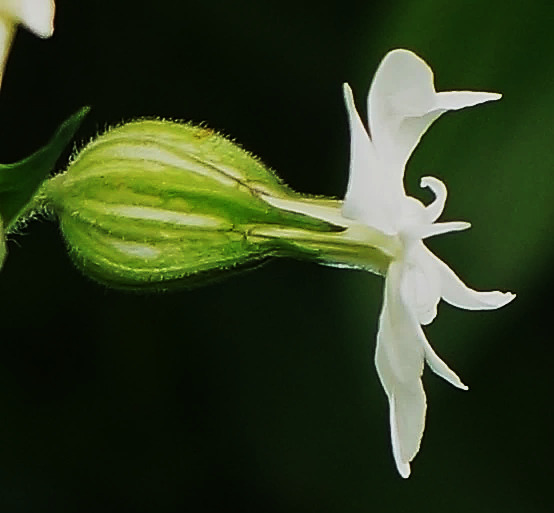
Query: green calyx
column 156, row 204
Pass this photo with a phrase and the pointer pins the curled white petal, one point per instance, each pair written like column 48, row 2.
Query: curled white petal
column 434, row 210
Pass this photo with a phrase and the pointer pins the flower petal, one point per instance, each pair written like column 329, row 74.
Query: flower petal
column 397, row 331
column 366, row 193
column 7, row 31
column 36, row 15
column 434, row 229
column 457, row 293
column 420, row 286
column 399, row 360
column 422, row 295
column 403, row 103
column 439, row 367
column 456, row 100
column 407, row 421
column 402, row 93
column 435, row 208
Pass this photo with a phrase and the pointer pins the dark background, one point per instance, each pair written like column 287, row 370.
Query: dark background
column 259, row 393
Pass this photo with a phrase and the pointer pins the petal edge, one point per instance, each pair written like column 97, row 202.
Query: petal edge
column 455, row 292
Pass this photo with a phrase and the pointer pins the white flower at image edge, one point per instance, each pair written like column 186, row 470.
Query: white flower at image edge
column 402, row 104
column 36, row 15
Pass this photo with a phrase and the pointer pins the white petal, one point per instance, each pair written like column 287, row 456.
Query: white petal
column 402, row 90
column 426, row 231
column 36, row 15
column 366, row 194
column 456, row 100
column 401, row 347
column 399, row 360
column 424, row 295
column 434, row 210
column 7, row 31
column 403, row 103
column 457, row 293
column 407, row 422
column 397, row 332
column 420, row 286
column 439, row 367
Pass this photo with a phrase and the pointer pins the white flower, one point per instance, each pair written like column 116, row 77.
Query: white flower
column 36, row 15
column 402, row 104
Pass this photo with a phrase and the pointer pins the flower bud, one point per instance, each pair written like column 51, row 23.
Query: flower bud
column 152, row 204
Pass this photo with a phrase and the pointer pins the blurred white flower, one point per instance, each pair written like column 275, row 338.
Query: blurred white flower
column 36, row 15
column 402, row 104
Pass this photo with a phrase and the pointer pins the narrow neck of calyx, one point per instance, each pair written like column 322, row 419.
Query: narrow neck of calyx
column 353, row 244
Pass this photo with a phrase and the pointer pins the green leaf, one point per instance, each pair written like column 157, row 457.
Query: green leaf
column 20, row 181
